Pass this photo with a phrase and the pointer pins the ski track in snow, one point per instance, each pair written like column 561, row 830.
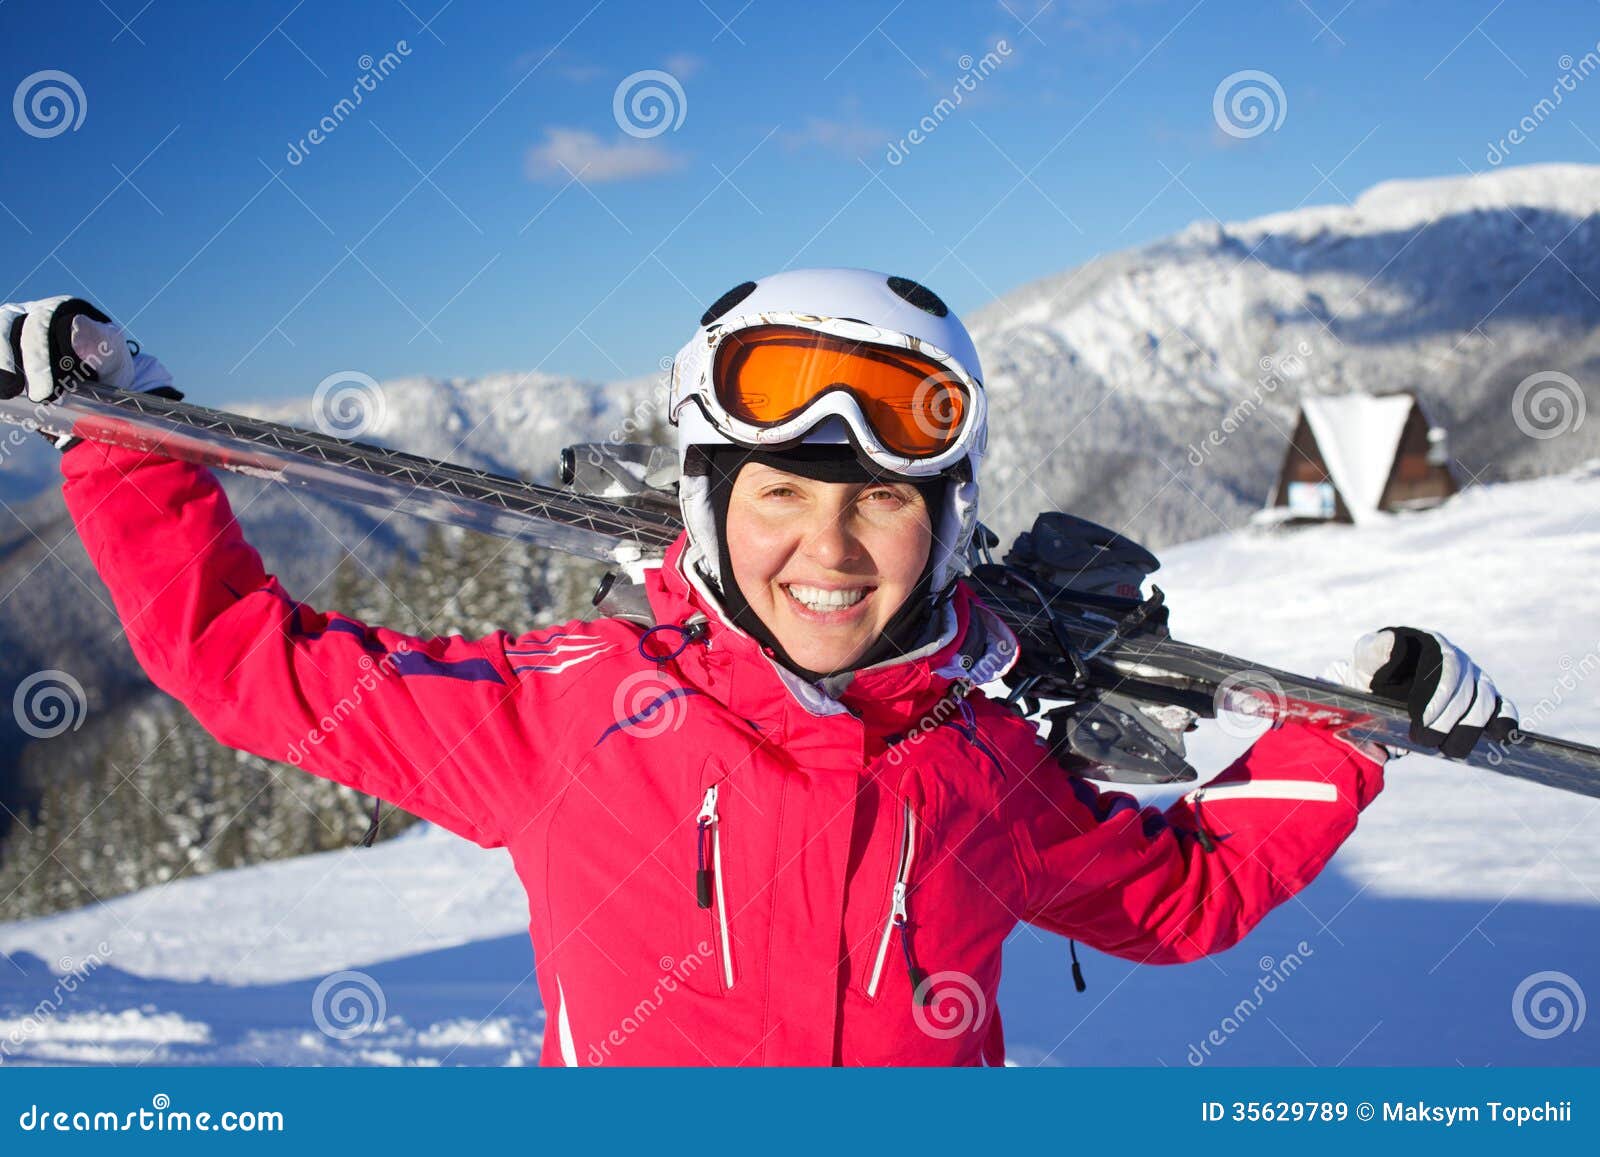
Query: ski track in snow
column 1456, row 886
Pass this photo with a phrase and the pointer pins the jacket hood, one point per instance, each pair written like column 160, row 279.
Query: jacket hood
column 971, row 644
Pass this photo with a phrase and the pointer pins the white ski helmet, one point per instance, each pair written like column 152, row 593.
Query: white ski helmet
column 855, row 308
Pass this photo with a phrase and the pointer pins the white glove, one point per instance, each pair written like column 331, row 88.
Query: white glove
column 37, row 337
column 50, row 346
column 1451, row 702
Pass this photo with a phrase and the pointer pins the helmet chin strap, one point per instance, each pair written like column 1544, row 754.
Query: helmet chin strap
column 824, row 463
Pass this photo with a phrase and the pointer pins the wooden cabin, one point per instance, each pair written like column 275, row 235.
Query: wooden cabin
column 1353, row 455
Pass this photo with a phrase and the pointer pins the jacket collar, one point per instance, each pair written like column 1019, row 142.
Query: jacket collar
column 972, row 644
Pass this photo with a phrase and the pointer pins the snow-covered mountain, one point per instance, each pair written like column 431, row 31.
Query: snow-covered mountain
column 1103, row 377
column 508, row 422
column 1107, row 379
column 1457, row 887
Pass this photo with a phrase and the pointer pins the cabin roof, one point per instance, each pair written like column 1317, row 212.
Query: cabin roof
column 1359, row 436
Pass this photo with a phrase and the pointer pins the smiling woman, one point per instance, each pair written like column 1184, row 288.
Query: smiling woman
column 831, row 423
column 780, row 812
column 826, row 567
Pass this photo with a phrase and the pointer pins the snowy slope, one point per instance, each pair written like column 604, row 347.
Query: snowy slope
column 1457, row 885
column 225, row 969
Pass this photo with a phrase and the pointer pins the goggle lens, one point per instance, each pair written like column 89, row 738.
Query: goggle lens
column 766, row 375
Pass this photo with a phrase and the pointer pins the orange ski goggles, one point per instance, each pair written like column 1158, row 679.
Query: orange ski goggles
column 916, row 406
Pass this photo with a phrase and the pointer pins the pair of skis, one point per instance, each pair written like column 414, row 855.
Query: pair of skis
column 1101, row 668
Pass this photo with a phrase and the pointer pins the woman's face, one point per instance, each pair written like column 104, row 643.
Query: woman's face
column 825, row 564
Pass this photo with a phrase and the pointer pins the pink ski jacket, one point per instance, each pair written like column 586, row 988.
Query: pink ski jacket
column 724, row 865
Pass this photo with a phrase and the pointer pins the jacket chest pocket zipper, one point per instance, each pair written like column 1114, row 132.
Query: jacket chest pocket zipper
column 708, row 877
column 899, row 918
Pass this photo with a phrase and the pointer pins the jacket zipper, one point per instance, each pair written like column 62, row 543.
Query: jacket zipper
column 708, row 830
column 899, row 916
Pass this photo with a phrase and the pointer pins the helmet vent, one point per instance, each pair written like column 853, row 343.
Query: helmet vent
column 918, row 295
column 727, row 301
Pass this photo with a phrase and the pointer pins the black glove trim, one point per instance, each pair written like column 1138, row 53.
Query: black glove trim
column 13, row 383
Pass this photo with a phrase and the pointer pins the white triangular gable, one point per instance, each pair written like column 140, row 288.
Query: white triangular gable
column 1359, row 436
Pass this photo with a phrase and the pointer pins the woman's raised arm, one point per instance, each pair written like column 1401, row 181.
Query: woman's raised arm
column 1165, row 887
column 445, row 727
column 460, row 731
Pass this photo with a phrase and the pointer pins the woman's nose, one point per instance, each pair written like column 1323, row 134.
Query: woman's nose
column 829, row 542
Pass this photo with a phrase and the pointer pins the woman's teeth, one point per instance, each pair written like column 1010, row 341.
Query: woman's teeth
column 818, row 599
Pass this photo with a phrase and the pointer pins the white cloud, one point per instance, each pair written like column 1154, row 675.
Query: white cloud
column 578, row 153
column 852, row 138
column 682, row 65
column 560, row 60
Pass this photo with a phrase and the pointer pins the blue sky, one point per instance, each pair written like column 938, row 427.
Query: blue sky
column 483, row 209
